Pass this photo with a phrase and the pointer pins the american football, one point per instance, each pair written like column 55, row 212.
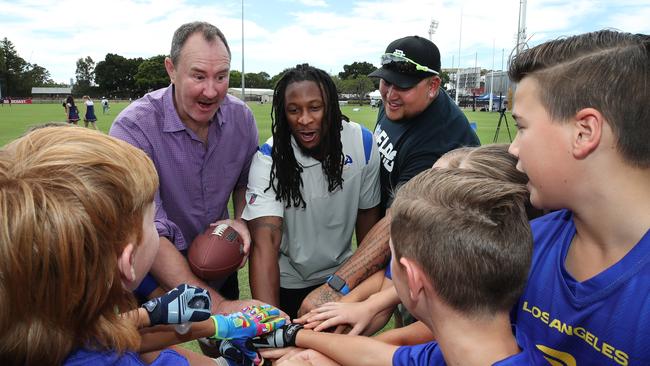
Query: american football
column 216, row 253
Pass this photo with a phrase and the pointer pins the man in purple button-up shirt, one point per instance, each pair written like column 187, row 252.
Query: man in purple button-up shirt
column 201, row 141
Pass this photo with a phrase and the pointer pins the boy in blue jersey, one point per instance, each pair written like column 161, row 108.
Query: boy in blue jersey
column 461, row 248
column 582, row 113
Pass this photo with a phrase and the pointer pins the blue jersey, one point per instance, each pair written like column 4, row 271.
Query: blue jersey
column 97, row 358
column 602, row 321
column 429, row 354
column 388, row 272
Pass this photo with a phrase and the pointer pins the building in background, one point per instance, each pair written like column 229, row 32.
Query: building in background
column 50, row 94
column 253, row 94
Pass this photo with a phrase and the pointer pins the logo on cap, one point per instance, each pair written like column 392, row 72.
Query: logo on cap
column 398, row 53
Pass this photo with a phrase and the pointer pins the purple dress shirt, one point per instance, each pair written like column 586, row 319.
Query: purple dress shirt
column 196, row 180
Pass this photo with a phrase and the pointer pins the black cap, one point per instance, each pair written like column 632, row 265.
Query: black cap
column 415, row 48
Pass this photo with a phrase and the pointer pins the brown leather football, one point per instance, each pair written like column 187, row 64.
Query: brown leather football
column 216, row 253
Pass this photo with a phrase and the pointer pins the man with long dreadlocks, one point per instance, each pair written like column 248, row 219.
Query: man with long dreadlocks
column 310, row 186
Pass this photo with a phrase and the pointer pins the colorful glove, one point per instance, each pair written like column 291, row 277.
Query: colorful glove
column 183, row 304
column 280, row 338
column 250, row 322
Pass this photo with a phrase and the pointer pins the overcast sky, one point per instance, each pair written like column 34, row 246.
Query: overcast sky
column 281, row 33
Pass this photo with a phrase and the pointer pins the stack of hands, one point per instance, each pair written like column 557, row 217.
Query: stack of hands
column 187, row 304
column 241, row 334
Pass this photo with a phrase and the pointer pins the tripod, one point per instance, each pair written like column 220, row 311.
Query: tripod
column 502, row 116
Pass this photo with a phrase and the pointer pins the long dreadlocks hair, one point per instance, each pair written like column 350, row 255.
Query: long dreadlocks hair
column 285, row 170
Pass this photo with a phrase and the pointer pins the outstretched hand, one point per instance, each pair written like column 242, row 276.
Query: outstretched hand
column 356, row 314
column 185, row 303
column 250, row 322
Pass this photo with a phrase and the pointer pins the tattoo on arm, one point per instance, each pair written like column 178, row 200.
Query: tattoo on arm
column 370, row 257
column 259, row 224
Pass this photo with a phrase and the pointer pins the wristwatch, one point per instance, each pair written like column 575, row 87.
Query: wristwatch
column 338, row 284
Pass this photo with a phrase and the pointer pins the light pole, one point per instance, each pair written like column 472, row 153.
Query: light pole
column 432, row 28
column 243, row 77
column 521, row 27
column 460, row 37
column 491, row 95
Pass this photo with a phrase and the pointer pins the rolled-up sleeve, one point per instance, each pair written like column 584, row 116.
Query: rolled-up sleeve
column 261, row 201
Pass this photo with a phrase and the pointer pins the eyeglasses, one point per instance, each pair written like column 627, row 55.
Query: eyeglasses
column 403, row 64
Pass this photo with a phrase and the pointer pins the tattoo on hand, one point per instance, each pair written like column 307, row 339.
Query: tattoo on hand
column 328, row 295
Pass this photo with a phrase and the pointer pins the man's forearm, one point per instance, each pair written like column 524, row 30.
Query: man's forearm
column 371, row 256
column 264, row 275
column 347, row 349
column 171, row 269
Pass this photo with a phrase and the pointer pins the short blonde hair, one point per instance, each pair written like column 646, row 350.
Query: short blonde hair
column 470, row 235
column 70, row 200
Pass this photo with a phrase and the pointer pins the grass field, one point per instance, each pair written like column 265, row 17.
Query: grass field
column 18, row 118
column 15, row 120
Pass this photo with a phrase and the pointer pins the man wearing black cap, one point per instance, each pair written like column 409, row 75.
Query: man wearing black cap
column 417, row 123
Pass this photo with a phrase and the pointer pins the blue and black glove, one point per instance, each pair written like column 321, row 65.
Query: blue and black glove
column 240, row 352
column 279, row 338
column 183, row 304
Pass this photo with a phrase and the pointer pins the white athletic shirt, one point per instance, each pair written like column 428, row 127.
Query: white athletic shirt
column 316, row 240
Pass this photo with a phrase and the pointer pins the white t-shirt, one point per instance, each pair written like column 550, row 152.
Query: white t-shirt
column 316, row 239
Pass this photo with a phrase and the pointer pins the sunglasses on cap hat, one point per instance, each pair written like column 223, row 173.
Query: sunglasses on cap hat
column 400, row 63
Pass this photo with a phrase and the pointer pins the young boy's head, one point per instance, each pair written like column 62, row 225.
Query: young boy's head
column 577, row 98
column 76, row 234
column 468, row 234
column 492, row 160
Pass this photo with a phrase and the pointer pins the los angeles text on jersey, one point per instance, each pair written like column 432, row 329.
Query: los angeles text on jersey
column 594, row 341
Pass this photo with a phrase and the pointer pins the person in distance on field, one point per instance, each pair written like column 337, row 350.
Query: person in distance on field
column 89, row 117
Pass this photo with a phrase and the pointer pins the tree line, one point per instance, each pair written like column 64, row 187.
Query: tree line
column 119, row 77
column 17, row 76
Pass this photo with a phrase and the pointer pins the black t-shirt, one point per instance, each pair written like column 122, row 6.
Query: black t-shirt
column 409, row 146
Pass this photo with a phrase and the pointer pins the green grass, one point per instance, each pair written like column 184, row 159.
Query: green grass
column 16, row 120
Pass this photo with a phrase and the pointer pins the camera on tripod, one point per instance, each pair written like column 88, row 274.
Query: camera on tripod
column 502, row 117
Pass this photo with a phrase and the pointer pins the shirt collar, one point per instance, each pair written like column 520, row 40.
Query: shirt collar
column 302, row 158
